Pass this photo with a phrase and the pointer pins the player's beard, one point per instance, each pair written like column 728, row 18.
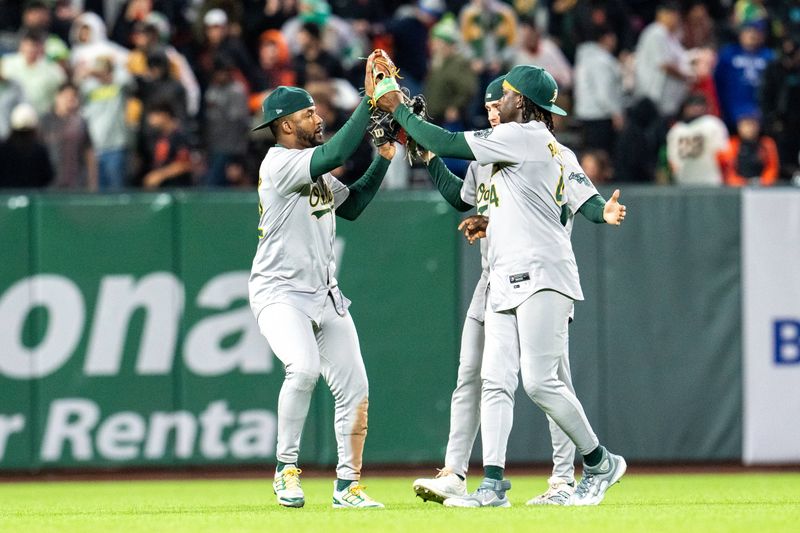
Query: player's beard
column 310, row 138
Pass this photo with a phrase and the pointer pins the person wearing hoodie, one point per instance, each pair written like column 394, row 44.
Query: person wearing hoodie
column 598, row 90
column 638, row 143
column 90, row 42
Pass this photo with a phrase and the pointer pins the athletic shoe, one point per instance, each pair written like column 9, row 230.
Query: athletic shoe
column 559, row 493
column 598, row 479
column 491, row 493
column 445, row 485
column 287, row 487
column 353, row 497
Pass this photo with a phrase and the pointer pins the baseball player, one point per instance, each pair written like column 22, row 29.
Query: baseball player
column 294, row 293
column 533, row 278
column 465, row 404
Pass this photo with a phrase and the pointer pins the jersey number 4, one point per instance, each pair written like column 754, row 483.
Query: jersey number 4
column 559, row 196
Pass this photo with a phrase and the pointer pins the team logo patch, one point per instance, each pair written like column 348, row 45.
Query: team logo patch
column 580, row 177
column 482, row 134
column 555, row 96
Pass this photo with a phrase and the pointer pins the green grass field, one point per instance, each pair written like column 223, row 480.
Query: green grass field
column 676, row 502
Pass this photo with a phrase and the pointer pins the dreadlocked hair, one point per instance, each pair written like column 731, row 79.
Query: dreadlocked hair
column 533, row 111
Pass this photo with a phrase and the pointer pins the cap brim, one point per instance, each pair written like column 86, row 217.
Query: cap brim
column 553, row 108
column 262, row 126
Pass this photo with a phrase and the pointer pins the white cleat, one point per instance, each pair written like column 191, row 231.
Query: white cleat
column 490, row 493
column 559, row 493
column 598, row 479
column 353, row 497
column 287, row 487
column 445, row 485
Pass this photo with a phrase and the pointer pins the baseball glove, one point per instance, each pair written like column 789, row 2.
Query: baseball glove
column 383, row 128
column 380, row 76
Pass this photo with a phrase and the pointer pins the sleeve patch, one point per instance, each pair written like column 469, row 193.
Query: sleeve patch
column 483, row 134
column 580, row 177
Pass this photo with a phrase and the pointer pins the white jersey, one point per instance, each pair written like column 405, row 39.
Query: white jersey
column 294, row 262
column 529, row 247
column 692, row 149
column 476, row 191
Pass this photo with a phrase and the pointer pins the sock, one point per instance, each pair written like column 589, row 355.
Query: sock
column 594, row 457
column 281, row 466
column 342, row 484
column 493, row 472
column 462, row 478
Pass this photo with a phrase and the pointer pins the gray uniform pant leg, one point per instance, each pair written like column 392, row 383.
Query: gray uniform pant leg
column 308, row 351
column 563, row 447
column 343, row 370
column 465, row 406
column 290, row 334
column 542, row 321
column 499, row 379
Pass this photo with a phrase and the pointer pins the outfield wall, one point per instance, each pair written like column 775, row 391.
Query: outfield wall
column 126, row 339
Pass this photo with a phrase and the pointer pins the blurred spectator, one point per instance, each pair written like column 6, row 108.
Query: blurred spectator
column 570, row 22
column 663, row 71
column 136, row 11
column 597, row 165
column 533, row 48
column 265, row 15
column 695, row 145
column 740, row 71
column 780, row 103
column 169, row 151
column 23, row 158
column 704, row 61
column 313, row 62
column 227, row 121
column 450, row 84
column 158, row 85
column 236, row 173
column 66, row 136
column 409, row 29
column 638, row 143
column 38, row 77
column 751, row 158
column 336, row 35
column 154, row 33
column 274, row 62
column 10, row 95
column 36, row 16
column 90, row 42
column 747, row 11
column 698, row 27
column 218, row 40
column 104, row 92
column 598, row 90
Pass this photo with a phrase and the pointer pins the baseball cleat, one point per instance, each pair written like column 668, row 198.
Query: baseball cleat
column 559, row 493
column 598, row 479
column 287, row 487
column 353, row 497
column 491, row 493
column 445, row 485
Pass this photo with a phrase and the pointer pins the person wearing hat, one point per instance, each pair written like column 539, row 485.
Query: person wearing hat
column 533, row 276
column 24, row 160
column 293, row 292
column 475, row 190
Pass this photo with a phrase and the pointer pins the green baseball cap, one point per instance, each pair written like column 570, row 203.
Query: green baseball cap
column 494, row 91
column 535, row 83
column 283, row 101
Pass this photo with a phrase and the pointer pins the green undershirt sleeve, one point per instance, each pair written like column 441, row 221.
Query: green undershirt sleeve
column 335, row 152
column 592, row 209
column 439, row 141
column 449, row 184
column 363, row 190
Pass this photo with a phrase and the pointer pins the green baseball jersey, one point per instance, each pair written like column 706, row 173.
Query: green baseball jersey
column 294, row 261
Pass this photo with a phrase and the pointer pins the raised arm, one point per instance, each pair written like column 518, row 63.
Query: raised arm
column 335, row 152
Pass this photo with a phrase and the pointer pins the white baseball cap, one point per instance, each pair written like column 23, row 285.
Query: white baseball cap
column 215, row 17
column 24, row 117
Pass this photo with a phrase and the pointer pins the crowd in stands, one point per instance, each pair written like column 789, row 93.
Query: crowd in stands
column 102, row 95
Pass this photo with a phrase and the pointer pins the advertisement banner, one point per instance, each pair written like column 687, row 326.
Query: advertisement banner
column 771, row 279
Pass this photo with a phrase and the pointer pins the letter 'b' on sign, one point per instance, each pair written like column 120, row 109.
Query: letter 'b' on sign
column 787, row 342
